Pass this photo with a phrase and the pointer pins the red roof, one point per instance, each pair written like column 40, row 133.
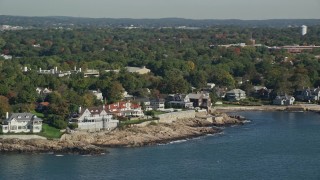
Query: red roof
column 44, row 103
column 121, row 106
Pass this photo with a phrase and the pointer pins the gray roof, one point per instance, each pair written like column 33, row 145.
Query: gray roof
column 236, row 91
column 194, row 96
column 23, row 117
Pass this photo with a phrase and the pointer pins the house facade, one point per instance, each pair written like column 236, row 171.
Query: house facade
column 157, row 104
column 284, row 100
column 310, row 94
column 235, row 95
column 200, row 99
column 21, row 123
column 179, row 100
column 94, row 119
column 125, row 109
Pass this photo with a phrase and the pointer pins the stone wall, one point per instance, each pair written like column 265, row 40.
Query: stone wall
column 170, row 117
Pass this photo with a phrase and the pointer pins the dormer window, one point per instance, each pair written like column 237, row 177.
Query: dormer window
column 19, row 117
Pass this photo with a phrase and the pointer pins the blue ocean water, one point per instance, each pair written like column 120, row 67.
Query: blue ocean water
column 275, row 145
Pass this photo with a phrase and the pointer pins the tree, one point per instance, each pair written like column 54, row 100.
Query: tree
column 2, row 43
column 4, row 106
column 114, row 92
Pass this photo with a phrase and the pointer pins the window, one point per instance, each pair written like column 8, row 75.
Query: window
column 13, row 127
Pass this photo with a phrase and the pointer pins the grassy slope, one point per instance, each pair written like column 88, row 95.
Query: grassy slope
column 50, row 132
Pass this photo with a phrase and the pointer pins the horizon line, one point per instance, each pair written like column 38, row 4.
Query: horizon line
column 158, row 18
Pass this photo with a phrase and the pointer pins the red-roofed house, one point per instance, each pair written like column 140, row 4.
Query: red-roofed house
column 126, row 109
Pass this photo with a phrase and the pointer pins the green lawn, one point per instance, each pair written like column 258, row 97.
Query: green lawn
column 50, row 132
column 39, row 115
column 158, row 112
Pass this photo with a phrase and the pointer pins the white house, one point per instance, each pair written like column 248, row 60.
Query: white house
column 21, row 123
column 95, row 119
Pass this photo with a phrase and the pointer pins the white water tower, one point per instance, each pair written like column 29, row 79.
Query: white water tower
column 303, row 30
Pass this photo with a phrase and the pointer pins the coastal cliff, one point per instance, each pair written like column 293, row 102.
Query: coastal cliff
column 47, row 146
column 151, row 134
column 80, row 142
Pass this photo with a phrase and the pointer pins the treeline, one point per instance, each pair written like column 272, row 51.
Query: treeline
column 61, row 21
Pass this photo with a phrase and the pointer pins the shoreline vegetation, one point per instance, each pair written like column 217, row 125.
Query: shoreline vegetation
column 80, row 142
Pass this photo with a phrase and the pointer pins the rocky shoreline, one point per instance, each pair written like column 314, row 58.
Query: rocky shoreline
column 134, row 136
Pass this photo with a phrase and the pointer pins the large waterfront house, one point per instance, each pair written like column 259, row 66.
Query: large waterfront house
column 200, row 99
column 179, row 101
column 309, row 94
column 284, row 100
column 21, row 123
column 125, row 109
column 94, row 119
column 235, row 95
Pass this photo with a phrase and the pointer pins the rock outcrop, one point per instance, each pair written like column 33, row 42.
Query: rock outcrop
column 46, row 146
column 153, row 134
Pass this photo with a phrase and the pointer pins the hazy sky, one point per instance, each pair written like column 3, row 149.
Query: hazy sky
column 194, row 9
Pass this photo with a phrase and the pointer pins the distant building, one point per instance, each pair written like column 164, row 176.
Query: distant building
column 304, row 30
column 43, row 91
column 91, row 73
column 97, row 94
column 21, row 123
column 6, row 57
column 142, row 70
column 54, row 71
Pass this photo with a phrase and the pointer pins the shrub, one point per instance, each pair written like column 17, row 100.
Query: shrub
column 73, row 125
column 153, row 123
column 60, row 124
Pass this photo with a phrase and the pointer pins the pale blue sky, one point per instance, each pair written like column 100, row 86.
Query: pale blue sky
column 194, row 9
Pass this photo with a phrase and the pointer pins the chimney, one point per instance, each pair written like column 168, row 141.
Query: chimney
column 75, row 68
column 7, row 115
column 103, row 107
column 79, row 109
column 56, row 69
column 79, row 69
